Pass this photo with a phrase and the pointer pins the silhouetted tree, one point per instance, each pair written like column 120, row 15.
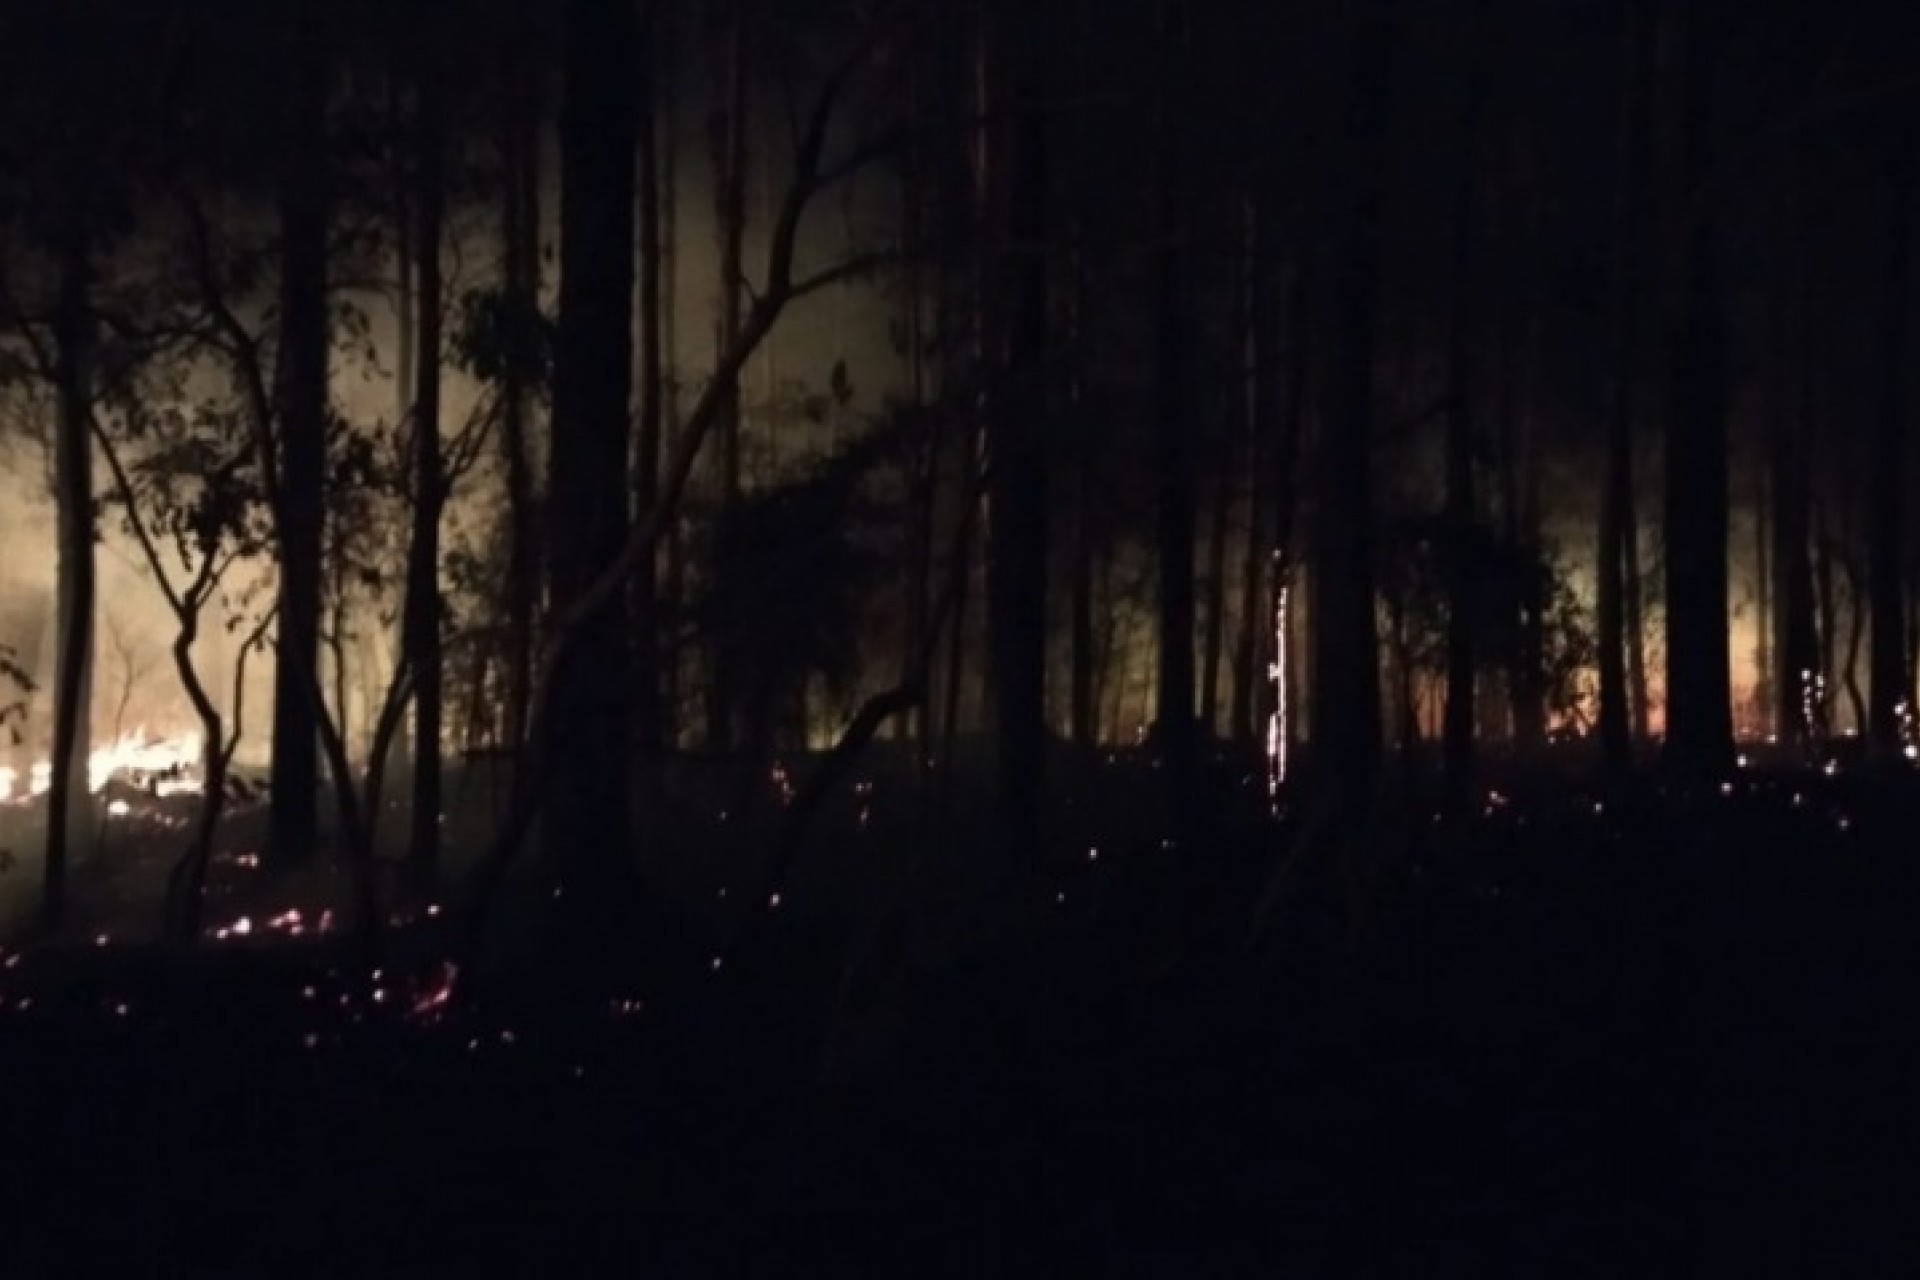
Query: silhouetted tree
column 588, row 826
column 1889, row 684
column 1017, row 426
column 1173, row 321
column 1345, row 666
column 1461, row 509
column 1699, row 710
column 1617, row 507
column 423, row 616
column 301, row 399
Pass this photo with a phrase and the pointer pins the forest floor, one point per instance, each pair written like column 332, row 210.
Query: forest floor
column 1646, row 1035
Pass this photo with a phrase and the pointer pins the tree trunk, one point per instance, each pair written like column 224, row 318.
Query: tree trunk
column 666, row 125
column 1617, row 532
column 1290, row 424
column 1887, row 486
column 300, row 393
column 729, row 140
column 520, row 234
column 1219, row 516
column 1173, row 395
column 68, row 792
column 1256, row 348
column 423, row 606
column 1462, row 515
column 1017, row 484
column 1699, row 713
column 588, row 837
column 1796, row 648
column 1346, row 672
column 649, row 717
column 1084, row 698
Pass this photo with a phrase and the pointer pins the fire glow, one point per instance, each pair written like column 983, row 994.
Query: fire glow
column 164, row 766
column 1279, row 724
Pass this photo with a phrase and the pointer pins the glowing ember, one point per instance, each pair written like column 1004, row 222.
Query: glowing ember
column 1813, row 703
column 430, row 1002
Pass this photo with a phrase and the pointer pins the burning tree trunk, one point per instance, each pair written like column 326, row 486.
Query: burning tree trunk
column 1289, row 421
column 1699, row 714
column 1886, row 515
column 300, row 392
column 67, row 794
column 423, row 606
column 588, row 833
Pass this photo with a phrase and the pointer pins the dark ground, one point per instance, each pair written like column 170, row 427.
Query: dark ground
column 1655, row 1037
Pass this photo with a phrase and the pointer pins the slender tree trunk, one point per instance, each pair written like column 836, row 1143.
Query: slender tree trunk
column 1699, row 714
column 1826, row 590
column 1290, row 424
column 1462, row 515
column 1858, row 620
column 1255, row 346
column 423, row 606
column 1763, row 522
column 300, row 390
column 68, row 791
column 666, row 125
column 1172, row 409
column 588, row 829
column 1887, row 485
column 1346, row 673
column 1219, row 516
column 729, row 139
column 1796, row 648
column 1017, row 484
column 1617, row 728
column 520, row 233
column 1520, row 464
column 1084, row 695
column 648, row 712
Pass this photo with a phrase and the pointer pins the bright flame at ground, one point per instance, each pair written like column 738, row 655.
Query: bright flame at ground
column 167, row 766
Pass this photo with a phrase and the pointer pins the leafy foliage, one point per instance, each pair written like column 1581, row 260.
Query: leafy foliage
column 792, row 569
column 14, row 681
column 1509, row 580
column 496, row 336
